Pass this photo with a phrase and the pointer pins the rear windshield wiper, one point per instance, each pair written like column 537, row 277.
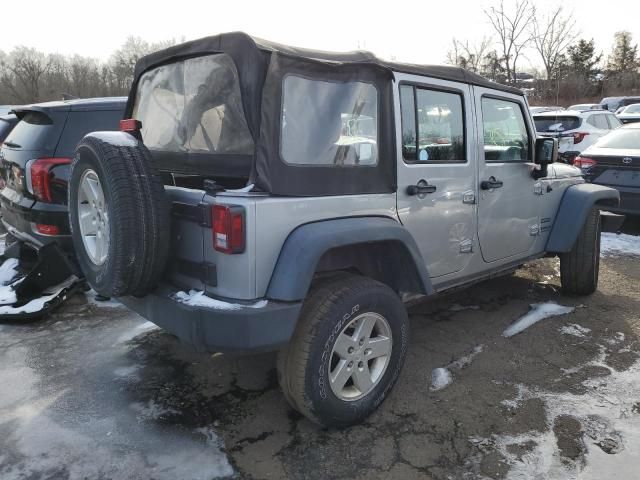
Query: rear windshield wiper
column 12, row 145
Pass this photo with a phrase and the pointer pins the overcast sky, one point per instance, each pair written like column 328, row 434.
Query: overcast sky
column 419, row 31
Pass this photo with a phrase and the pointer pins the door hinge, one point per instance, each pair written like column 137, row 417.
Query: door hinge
column 466, row 246
column 469, row 197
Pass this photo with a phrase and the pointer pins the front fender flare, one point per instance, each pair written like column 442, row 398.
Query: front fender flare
column 576, row 203
column 305, row 246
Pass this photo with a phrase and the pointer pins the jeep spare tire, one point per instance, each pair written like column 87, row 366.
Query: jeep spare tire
column 119, row 214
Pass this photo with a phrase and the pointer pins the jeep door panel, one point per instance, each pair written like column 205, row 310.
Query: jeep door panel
column 508, row 208
column 436, row 170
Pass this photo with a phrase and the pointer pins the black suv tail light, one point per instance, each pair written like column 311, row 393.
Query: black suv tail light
column 228, row 228
column 40, row 179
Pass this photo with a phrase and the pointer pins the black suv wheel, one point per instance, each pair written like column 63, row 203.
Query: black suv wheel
column 347, row 351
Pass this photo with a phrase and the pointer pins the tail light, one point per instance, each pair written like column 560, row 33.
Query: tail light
column 46, row 229
column 583, row 162
column 578, row 137
column 41, row 179
column 130, row 125
column 228, row 228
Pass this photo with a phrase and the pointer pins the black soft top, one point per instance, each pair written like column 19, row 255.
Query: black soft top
column 242, row 43
column 261, row 68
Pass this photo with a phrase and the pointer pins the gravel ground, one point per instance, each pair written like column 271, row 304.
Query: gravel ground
column 94, row 391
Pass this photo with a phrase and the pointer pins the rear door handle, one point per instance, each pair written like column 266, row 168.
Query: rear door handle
column 422, row 188
column 490, row 184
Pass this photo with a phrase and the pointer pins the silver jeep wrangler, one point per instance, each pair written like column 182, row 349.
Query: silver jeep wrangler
column 262, row 197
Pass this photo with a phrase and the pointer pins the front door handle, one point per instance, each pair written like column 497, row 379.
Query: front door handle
column 421, row 188
column 491, row 184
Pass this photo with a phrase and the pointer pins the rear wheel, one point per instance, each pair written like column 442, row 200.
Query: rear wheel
column 347, row 351
column 579, row 268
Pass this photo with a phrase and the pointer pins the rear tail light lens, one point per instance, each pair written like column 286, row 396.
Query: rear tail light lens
column 45, row 229
column 228, row 228
column 579, row 136
column 41, row 178
column 584, row 162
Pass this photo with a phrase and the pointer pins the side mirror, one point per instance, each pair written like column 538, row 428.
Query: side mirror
column 546, row 152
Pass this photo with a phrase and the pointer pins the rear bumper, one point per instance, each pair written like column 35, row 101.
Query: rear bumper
column 20, row 219
column 241, row 330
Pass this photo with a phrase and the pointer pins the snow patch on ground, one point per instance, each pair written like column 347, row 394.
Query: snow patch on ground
column 610, row 429
column 8, row 270
column 538, row 312
column 442, row 377
column 137, row 330
column 612, row 245
column 575, row 330
column 127, row 372
column 197, row 298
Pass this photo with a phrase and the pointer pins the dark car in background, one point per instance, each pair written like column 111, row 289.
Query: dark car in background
column 614, row 161
column 613, row 104
column 35, row 162
column 7, row 122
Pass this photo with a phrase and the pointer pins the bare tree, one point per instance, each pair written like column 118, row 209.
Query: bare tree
column 21, row 73
column 512, row 27
column 467, row 55
column 552, row 35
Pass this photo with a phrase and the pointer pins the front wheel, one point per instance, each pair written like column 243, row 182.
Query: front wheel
column 347, row 351
column 580, row 266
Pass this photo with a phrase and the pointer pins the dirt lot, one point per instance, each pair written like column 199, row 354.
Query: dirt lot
column 95, row 392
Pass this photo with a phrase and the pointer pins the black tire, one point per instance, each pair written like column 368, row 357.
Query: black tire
column 304, row 364
column 579, row 268
column 138, row 215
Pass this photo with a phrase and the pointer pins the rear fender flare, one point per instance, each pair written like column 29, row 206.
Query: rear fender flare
column 307, row 244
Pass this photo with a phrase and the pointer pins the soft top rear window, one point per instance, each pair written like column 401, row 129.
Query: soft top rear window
column 560, row 123
column 193, row 105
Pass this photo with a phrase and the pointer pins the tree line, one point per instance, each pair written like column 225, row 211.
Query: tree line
column 573, row 70
column 29, row 76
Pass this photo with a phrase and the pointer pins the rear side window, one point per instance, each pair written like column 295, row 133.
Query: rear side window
column 613, row 121
column 5, row 128
column 38, row 131
column 599, row 121
column 193, row 106
column 561, row 123
column 506, row 138
column 439, row 117
column 329, row 123
column 80, row 123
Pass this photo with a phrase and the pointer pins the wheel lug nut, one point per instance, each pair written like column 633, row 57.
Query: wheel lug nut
column 367, row 351
column 361, row 342
column 350, row 365
column 350, row 350
column 360, row 364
